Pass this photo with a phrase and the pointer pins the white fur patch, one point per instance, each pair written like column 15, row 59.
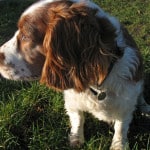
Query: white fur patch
column 15, row 67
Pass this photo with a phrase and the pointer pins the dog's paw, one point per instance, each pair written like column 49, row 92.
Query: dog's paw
column 117, row 145
column 145, row 110
column 116, row 148
column 76, row 141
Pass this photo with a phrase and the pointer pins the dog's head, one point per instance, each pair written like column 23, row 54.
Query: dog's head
column 65, row 44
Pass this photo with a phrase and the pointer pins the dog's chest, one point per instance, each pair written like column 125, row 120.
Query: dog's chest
column 104, row 106
column 102, row 100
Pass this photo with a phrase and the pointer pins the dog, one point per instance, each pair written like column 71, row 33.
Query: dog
column 75, row 47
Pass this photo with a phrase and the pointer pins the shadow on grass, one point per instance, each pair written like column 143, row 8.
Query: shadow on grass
column 10, row 11
column 9, row 87
column 32, row 116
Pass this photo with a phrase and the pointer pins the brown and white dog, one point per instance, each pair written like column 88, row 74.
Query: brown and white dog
column 75, row 47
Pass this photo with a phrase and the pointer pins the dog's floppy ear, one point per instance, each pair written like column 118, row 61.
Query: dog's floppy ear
column 76, row 57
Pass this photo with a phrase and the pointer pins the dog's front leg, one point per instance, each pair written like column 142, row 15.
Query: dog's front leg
column 120, row 141
column 77, row 121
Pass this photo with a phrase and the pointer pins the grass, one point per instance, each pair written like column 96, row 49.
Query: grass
column 32, row 117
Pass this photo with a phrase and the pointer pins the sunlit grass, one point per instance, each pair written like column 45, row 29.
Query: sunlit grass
column 33, row 117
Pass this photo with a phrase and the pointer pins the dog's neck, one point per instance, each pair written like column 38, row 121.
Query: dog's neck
column 96, row 90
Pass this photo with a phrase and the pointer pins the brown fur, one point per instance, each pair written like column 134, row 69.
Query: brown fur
column 30, row 41
column 77, row 48
column 2, row 58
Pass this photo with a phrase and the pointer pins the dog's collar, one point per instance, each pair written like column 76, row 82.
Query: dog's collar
column 97, row 91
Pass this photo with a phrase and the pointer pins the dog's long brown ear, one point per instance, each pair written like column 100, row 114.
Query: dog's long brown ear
column 76, row 48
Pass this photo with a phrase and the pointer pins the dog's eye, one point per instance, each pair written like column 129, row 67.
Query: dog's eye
column 24, row 37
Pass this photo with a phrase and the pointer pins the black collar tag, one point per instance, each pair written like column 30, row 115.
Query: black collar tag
column 98, row 93
column 101, row 96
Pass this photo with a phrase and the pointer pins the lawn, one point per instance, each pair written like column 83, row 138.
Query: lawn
column 32, row 117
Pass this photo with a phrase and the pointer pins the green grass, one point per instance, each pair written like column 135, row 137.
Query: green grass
column 33, row 117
